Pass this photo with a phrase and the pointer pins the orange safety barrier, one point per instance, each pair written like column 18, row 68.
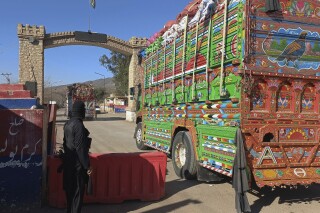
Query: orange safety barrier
column 116, row 177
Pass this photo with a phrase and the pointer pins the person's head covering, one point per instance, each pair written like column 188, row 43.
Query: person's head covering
column 78, row 109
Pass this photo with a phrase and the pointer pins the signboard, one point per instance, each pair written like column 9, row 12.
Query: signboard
column 90, row 37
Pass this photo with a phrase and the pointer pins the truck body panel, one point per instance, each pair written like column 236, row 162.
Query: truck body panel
column 258, row 72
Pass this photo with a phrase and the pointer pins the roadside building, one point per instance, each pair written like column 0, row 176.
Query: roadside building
column 116, row 104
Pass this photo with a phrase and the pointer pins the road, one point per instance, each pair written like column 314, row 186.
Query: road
column 111, row 133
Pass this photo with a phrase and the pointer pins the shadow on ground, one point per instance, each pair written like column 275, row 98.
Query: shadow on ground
column 114, row 118
column 171, row 188
column 286, row 196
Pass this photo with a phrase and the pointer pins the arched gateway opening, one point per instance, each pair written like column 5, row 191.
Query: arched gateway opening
column 33, row 40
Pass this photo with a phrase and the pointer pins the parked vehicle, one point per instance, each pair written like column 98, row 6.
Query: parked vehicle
column 214, row 70
column 85, row 93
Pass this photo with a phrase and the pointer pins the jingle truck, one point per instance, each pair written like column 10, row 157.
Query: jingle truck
column 237, row 64
column 81, row 92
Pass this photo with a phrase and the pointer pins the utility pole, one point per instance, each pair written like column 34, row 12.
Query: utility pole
column 104, row 85
column 7, row 76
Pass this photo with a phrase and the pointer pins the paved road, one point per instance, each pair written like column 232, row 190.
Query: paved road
column 111, row 133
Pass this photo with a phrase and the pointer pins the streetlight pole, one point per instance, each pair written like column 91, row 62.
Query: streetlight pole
column 104, row 85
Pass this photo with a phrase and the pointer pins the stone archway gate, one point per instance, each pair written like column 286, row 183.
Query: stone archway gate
column 33, row 40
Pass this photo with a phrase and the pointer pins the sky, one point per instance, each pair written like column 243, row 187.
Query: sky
column 71, row 64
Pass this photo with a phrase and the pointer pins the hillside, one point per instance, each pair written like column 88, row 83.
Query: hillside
column 58, row 93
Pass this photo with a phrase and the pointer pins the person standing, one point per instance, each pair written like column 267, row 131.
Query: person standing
column 76, row 164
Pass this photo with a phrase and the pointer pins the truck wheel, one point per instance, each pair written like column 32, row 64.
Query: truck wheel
column 138, row 136
column 183, row 156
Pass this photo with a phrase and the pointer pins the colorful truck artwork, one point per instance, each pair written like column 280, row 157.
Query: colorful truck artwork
column 82, row 92
column 228, row 65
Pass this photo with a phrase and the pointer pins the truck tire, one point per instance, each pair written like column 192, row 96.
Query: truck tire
column 183, row 156
column 138, row 136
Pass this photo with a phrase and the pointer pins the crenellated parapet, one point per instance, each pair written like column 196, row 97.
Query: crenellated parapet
column 27, row 31
column 138, row 42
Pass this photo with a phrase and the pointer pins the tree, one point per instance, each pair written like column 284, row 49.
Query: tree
column 99, row 93
column 118, row 65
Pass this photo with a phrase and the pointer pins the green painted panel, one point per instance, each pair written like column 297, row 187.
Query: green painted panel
column 155, row 99
column 232, row 85
column 162, row 140
column 188, row 93
column 201, row 90
column 159, row 132
column 148, row 99
column 219, row 157
column 162, row 98
column 216, row 147
column 179, row 95
column 168, row 96
column 221, row 132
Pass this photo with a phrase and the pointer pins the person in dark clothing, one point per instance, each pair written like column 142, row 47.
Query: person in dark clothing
column 76, row 164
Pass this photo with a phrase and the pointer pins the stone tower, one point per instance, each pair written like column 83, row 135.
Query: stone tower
column 134, row 76
column 31, row 56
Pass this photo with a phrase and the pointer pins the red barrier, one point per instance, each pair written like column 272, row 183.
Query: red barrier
column 131, row 176
column 116, row 177
column 94, row 166
column 56, row 195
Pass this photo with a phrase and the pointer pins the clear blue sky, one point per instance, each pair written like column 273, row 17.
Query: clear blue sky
column 123, row 19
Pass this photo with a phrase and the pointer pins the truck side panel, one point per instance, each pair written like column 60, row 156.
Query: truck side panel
column 181, row 76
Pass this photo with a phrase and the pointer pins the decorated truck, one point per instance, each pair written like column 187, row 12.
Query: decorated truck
column 82, row 92
column 222, row 66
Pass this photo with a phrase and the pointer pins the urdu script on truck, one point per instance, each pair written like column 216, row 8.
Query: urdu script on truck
column 223, row 65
